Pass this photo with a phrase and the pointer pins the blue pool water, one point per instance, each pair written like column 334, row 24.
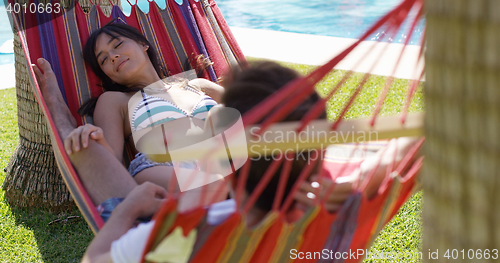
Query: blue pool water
column 5, row 35
column 337, row 18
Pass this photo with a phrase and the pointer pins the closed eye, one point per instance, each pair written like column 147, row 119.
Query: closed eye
column 105, row 58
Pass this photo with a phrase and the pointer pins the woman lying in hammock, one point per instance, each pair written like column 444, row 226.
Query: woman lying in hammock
column 125, row 62
column 118, row 244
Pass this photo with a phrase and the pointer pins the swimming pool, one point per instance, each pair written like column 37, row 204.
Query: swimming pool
column 337, row 18
column 5, row 35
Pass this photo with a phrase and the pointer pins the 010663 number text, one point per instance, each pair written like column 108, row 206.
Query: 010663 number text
column 471, row 254
column 34, row 8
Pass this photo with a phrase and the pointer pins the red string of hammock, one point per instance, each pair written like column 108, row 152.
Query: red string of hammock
column 281, row 103
column 277, row 106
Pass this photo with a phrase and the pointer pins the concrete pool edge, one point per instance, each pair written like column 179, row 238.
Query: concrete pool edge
column 7, row 76
column 305, row 49
column 317, row 50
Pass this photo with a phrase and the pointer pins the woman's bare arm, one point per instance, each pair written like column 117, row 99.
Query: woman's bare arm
column 211, row 89
column 109, row 114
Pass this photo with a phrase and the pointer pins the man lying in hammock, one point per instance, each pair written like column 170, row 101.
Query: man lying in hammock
column 116, row 243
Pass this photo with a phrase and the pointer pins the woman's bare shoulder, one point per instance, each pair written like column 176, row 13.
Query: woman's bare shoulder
column 113, row 101
column 114, row 97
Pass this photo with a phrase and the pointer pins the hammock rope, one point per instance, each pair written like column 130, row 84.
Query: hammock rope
column 353, row 226
column 60, row 37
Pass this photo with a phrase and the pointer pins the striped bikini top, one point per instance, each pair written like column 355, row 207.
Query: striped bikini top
column 153, row 111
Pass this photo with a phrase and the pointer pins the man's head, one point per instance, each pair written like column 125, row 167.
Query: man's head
column 244, row 91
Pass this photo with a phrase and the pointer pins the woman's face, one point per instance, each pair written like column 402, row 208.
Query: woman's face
column 122, row 59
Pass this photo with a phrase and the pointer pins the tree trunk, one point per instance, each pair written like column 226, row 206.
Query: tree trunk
column 462, row 93
column 32, row 177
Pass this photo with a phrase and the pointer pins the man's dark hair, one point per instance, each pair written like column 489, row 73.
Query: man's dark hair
column 245, row 90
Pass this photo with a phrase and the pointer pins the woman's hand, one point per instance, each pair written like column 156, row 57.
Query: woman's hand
column 79, row 138
column 308, row 191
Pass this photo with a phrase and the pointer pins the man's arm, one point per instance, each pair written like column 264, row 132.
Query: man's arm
column 143, row 201
column 391, row 155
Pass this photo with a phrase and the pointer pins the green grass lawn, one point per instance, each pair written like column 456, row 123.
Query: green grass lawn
column 25, row 235
column 404, row 232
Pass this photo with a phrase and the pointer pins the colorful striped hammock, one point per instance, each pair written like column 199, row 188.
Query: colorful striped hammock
column 181, row 33
column 349, row 231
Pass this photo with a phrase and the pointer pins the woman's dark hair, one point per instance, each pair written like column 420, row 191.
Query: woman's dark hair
column 245, row 90
column 114, row 29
